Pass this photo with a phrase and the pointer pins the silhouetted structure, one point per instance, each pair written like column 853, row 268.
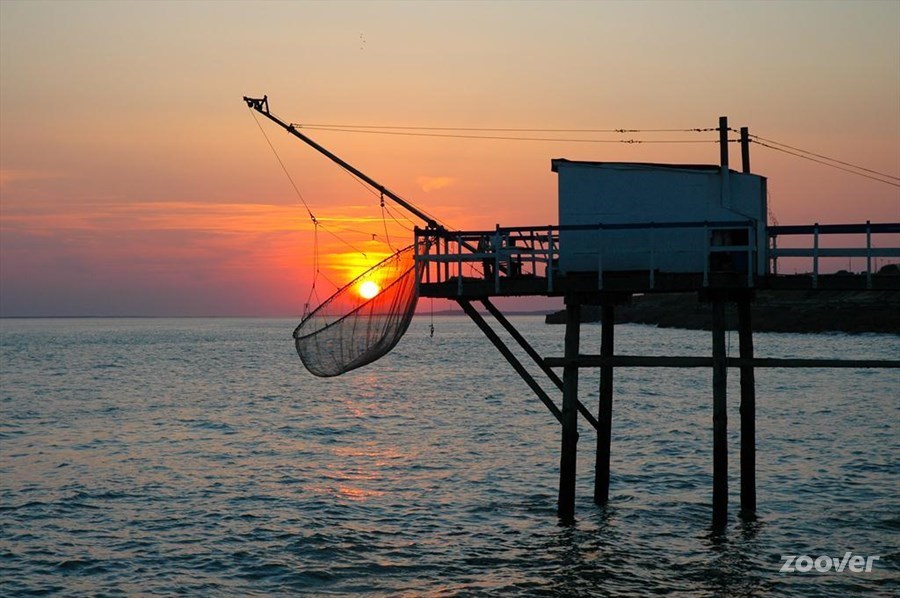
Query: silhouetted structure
column 625, row 229
column 634, row 228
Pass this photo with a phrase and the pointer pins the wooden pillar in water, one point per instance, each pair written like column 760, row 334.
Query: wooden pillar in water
column 604, row 416
column 748, row 412
column 569, row 448
column 720, row 418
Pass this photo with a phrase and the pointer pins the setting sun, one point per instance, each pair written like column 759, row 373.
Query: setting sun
column 369, row 289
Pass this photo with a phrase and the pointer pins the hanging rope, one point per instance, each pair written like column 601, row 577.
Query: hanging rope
column 312, row 217
column 431, row 327
column 384, row 222
column 284, row 168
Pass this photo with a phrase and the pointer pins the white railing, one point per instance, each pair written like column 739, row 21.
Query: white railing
column 505, row 253
column 815, row 250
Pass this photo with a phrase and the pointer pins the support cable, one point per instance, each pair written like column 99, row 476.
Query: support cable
column 312, row 216
column 832, row 165
column 384, row 222
column 284, row 168
column 504, row 129
column 504, row 137
column 797, row 149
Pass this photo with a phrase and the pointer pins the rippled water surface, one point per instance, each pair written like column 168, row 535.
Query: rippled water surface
column 198, row 456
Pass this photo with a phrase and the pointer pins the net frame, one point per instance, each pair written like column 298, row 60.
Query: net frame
column 345, row 332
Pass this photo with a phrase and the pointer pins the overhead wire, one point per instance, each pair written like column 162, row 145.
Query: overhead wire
column 504, row 129
column 504, row 137
column 823, row 162
column 467, row 133
column 896, row 178
column 419, row 131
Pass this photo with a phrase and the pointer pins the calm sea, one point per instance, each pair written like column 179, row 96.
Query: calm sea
column 197, row 456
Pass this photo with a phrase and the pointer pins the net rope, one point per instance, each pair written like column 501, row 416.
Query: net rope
column 363, row 320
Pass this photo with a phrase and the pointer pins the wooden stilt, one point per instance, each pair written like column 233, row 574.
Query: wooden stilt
column 604, row 416
column 748, row 412
column 720, row 420
column 569, row 448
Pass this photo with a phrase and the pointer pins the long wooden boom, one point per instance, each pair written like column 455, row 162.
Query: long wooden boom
column 261, row 105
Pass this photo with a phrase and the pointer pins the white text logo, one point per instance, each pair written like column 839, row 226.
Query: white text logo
column 855, row 563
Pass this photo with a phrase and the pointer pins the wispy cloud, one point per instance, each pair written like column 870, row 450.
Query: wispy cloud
column 9, row 176
column 433, row 183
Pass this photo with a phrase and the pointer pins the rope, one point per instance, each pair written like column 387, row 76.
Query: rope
column 284, row 168
column 384, row 222
column 312, row 216
column 391, row 214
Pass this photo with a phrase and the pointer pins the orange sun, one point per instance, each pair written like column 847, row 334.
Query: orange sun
column 369, row 289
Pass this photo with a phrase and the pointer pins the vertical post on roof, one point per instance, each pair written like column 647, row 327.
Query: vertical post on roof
column 745, row 150
column 723, row 158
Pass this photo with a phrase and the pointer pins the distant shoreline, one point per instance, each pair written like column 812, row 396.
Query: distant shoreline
column 782, row 311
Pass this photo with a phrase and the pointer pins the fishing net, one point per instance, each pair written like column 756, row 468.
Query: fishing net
column 363, row 320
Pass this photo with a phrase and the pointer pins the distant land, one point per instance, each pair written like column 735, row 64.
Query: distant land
column 772, row 311
column 460, row 312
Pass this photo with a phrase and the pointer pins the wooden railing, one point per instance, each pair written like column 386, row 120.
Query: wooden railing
column 814, row 250
column 508, row 252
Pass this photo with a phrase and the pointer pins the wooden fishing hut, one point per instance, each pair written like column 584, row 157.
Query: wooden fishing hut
column 626, row 229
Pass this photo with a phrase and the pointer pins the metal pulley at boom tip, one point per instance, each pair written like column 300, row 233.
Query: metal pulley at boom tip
column 261, row 105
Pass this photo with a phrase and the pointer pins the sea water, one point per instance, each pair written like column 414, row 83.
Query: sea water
column 197, row 456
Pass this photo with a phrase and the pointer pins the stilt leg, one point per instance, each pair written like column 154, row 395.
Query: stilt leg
column 604, row 417
column 748, row 412
column 568, row 451
column 720, row 420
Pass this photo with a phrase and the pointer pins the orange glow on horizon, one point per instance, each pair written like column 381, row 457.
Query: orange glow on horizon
column 162, row 203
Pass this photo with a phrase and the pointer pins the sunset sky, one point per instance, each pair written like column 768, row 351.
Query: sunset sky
column 134, row 180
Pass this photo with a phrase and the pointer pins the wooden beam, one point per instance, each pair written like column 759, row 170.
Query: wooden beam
column 504, row 350
column 535, row 356
column 774, row 362
column 599, row 361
